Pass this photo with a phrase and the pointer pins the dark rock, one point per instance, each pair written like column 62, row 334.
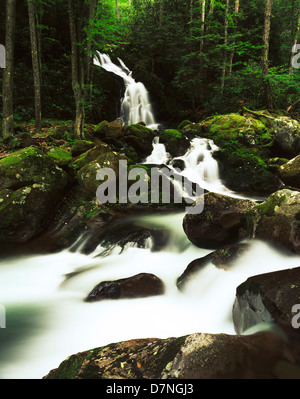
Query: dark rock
column 267, row 297
column 138, row 286
column 196, row 356
column 219, row 223
column 223, row 258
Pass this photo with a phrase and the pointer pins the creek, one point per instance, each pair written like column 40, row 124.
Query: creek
column 47, row 319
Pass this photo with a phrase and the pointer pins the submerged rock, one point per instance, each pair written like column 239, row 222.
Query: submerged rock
column 194, row 356
column 138, row 286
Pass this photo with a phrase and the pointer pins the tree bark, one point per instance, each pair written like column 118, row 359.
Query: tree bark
column 80, row 57
column 265, row 52
column 35, row 65
column 236, row 11
column 7, row 89
column 295, row 41
column 225, row 47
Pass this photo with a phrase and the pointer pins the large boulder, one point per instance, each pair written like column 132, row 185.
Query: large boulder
column 287, row 134
column 219, row 223
column 109, row 130
column 290, row 172
column 31, row 185
column 277, row 219
column 195, row 356
column 138, row 286
column 268, row 297
column 140, row 138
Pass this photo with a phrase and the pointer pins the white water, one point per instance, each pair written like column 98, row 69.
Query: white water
column 135, row 105
column 47, row 319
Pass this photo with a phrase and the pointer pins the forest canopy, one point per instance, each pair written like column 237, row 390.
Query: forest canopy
column 196, row 57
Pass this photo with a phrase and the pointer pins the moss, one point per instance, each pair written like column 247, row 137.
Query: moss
column 267, row 208
column 61, row 157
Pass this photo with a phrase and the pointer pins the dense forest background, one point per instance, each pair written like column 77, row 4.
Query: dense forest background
column 195, row 57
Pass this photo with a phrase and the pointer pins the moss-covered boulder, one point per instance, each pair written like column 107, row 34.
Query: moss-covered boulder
column 194, row 356
column 277, row 220
column 81, row 146
column 290, row 172
column 60, row 156
column 176, row 143
column 109, row 130
column 140, row 138
column 28, row 166
column 87, row 175
column 245, row 146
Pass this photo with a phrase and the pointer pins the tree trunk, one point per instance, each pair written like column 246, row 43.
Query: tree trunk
column 265, row 52
column 225, row 47
column 117, row 11
column 35, row 65
column 236, row 11
column 297, row 30
column 76, row 73
column 81, row 58
column 7, row 90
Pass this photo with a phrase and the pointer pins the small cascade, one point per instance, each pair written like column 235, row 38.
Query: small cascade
column 135, row 105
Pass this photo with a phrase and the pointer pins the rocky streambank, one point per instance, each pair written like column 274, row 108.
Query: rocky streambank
column 48, row 200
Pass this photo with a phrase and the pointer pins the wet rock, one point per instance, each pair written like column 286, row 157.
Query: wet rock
column 195, row 356
column 219, row 223
column 277, row 219
column 223, row 258
column 267, row 297
column 138, row 286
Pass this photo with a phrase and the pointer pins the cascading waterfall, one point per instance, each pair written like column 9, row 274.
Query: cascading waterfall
column 47, row 319
column 135, row 105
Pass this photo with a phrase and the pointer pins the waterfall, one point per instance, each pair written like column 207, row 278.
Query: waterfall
column 135, row 105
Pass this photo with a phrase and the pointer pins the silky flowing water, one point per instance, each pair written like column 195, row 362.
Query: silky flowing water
column 42, row 296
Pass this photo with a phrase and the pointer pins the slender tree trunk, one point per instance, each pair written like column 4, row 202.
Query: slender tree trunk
column 202, row 5
column 223, row 74
column 236, row 11
column 117, row 10
column 7, row 90
column 81, row 58
column 35, row 65
column 295, row 41
column 265, row 52
column 76, row 73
